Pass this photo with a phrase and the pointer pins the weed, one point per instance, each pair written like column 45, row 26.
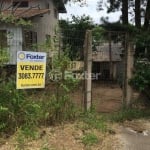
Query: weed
column 29, row 132
column 94, row 120
column 20, row 141
column 44, row 148
column 89, row 139
column 16, row 108
column 128, row 114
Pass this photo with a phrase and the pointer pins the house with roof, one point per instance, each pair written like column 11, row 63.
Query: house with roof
column 108, row 62
column 43, row 15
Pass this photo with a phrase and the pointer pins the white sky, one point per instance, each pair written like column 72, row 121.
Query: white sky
column 89, row 9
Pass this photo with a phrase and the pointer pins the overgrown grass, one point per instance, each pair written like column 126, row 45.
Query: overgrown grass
column 94, row 120
column 128, row 114
column 21, row 111
column 18, row 109
column 12, row 104
column 89, row 139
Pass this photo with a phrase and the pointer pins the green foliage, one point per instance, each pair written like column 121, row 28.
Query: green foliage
column 14, row 20
column 23, row 135
column 60, row 107
column 20, row 141
column 44, row 148
column 141, row 77
column 98, row 33
column 117, row 27
column 15, row 108
column 129, row 114
column 60, row 63
column 73, row 33
column 94, row 121
column 89, row 139
column 4, row 56
column 18, row 109
column 142, row 41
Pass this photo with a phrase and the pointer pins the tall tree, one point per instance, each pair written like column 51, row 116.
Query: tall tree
column 135, row 9
column 147, row 16
column 125, row 11
column 138, row 13
column 116, row 5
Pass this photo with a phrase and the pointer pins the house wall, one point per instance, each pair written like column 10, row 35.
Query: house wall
column 43, row 24
column 47, row 23
column 14, row 41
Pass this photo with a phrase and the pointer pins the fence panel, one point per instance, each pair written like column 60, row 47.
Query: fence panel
column 109, row 64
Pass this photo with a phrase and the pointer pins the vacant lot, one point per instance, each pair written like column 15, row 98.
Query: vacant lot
column 105, row 97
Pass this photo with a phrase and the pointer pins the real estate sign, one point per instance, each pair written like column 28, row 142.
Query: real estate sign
column 31, row 70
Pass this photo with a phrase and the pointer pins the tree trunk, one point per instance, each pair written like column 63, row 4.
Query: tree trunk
column 125, row 11
column 138, row 13
column 147, row 15
column 1, row 5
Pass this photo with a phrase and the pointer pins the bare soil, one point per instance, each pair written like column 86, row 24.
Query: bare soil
column 105, row 97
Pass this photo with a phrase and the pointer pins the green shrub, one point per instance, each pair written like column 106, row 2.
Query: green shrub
column 58, row 106
column 141, row 77
column 16, row 109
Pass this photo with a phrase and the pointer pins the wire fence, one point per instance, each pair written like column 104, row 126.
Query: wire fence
column 108, row 59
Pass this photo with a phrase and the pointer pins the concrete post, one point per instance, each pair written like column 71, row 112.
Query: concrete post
column 88, row 71
column 128, row 92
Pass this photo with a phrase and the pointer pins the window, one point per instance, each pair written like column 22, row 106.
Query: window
column 30, row 39
column 3, row 39
column 21, row 4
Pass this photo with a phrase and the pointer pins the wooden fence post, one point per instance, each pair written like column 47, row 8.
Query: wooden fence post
column 88, row 70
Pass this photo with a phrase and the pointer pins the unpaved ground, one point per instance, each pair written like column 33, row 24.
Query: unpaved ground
column 105, row 97
column 131, row 135
column 66, row 137
column 134, row 135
